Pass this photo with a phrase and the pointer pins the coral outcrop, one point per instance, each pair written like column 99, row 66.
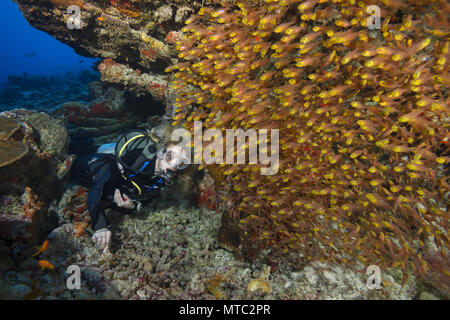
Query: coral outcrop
column 7, row 127
column 139, row 36
column 103, row 115
column 10, row 150
column 28, row 175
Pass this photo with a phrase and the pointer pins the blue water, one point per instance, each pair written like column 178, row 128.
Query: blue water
column 46, row 55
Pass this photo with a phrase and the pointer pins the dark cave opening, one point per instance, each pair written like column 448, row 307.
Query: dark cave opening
column 144, row 106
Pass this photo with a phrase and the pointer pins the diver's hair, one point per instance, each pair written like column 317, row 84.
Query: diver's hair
column 164, row 132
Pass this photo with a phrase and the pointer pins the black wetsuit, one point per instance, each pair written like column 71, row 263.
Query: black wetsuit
column 100, row 173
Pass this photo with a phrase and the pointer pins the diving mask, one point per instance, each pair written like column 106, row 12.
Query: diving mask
column 175, row 158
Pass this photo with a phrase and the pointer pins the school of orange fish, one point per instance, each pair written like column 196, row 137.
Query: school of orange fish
column 362, row 116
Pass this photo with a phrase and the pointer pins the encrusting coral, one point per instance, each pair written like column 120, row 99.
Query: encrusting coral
column 7, row 127
column 30, row 203
column 362, row 115
column 10, row 150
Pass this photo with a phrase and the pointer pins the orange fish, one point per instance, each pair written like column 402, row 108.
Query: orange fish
column 41, row 249
column 44, row 264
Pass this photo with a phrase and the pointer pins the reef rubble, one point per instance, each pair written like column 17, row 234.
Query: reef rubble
column 172, row 252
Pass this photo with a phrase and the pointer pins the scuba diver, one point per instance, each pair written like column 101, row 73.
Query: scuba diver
column 134, row 175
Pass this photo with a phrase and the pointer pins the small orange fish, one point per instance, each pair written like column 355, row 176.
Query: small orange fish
column 41, row 249
column 44, row 264
column 100, row 18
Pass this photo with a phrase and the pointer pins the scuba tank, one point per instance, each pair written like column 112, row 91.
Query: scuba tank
column 135, row 153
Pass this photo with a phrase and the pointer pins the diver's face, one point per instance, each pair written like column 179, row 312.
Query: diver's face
column 172, row 159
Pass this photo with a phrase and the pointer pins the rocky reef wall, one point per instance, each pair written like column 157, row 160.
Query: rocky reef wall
column 136, row 38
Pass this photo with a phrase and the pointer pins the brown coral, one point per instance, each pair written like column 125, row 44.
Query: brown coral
column 7, row 127
column 10, row 150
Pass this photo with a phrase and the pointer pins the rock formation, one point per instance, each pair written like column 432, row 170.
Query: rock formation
column 136, row 38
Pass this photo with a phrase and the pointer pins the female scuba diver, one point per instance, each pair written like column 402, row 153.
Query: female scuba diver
column 134, row 175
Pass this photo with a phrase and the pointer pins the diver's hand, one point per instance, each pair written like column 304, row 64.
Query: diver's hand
column 102, row 239
column 123, row 201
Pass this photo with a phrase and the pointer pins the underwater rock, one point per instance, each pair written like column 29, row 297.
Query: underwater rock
column 10, row 150
column 140, row 34
column 46, row 139
column 95, row 89
column 25, row 216
column 7, row 127
column 134, row 80
column 73, row 206
column 43, row 93
column 100, row 119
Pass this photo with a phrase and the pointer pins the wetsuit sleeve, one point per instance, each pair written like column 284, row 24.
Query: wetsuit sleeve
column 96, row 205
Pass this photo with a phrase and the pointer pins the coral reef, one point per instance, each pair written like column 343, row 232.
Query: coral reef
column 139, row 35
column 133, row 80
column 362, row 115
column 30, row 203
column 29, row 183
column 10, row 150
column 45, row 93
column 206, row 193
column 8, row 127
column 171, row 252
column 363, row 172
column 25, row 219
column 108, row 112
column 72, row 208
column 100, row 116
column 46, row 140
